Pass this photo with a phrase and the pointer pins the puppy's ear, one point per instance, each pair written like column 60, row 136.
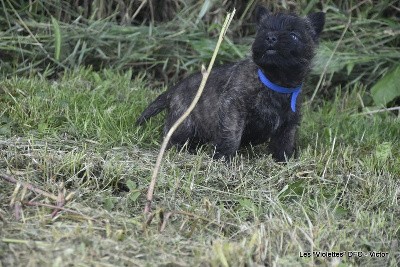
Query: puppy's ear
column 317, row 20
column 261, row 12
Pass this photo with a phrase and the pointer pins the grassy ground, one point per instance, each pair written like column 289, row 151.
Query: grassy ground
column 342, row 194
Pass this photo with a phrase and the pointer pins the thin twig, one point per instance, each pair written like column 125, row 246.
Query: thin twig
column 194, row 216
column 17, row 210
column 30, row 203
column 2, row 217
column 205, row 73
column 378, row 110
column 60, row 199
column 329, row 158
column 138, row 10
column 31, row 187
column 165, row 221
column 329, row 60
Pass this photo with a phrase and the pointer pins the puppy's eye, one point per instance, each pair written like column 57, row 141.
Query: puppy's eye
column 294, row 36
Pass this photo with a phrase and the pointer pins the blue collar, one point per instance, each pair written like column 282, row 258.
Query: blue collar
column 294, row 91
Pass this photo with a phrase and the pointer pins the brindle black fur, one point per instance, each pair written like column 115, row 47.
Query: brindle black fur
column 236, row 108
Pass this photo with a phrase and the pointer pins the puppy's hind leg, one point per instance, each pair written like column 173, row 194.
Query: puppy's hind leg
column 183, row 136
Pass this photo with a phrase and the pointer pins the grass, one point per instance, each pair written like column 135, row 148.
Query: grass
column 75, row 133
column 47, row 39
column 341, row 194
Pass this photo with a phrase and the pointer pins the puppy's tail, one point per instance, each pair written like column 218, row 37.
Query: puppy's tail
column 158, row 105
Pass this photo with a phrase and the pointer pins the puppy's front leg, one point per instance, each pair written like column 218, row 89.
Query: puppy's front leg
column 231, row 129
column 283, row 142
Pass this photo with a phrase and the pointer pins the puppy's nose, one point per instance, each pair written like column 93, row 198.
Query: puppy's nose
column 271, row 38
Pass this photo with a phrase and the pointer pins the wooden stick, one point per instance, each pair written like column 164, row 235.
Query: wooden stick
column 29, row 203
column 60, row 199
column 31, row 187
column 205, row 73
column 378, row 110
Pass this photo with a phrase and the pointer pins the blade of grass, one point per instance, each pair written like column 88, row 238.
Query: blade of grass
column 57, row 39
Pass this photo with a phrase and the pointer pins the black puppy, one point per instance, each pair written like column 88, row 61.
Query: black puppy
column 252, row 101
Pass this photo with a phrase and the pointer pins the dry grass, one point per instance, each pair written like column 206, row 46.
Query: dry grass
column 342, row 194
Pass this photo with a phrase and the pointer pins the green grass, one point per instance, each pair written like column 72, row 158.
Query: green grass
column 72, row 35
column 341, row 194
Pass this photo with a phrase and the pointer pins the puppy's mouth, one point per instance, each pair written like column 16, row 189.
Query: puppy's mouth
column 270, row 52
